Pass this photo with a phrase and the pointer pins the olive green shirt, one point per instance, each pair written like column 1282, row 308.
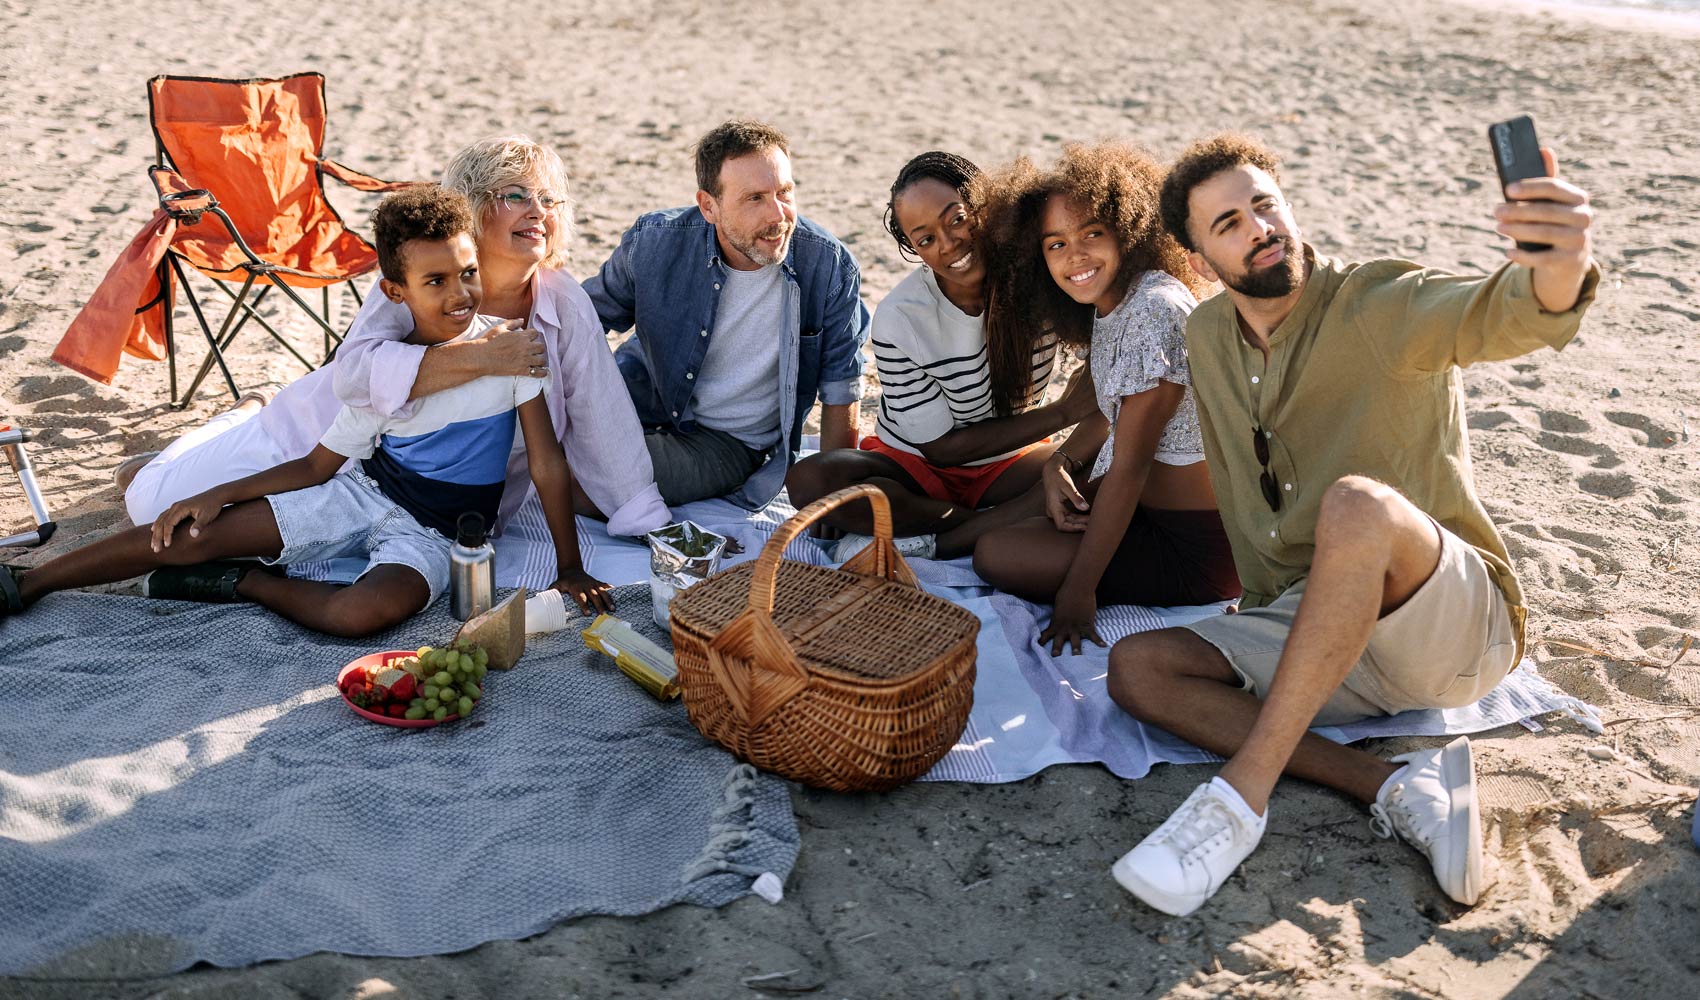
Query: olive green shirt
column 1362, row 379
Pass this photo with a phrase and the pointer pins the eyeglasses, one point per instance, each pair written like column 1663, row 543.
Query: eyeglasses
column 515, row 199
column 1260, row 445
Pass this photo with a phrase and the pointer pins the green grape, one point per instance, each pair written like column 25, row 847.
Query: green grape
column 431, row 690
column 423, row 652
column 465, row 662
column 440, row 713
column 443, row 678
column 416, row 702
column 465, row 705
column 431, row 704
column 481, row 657
column 415, row 713
column 472, row 691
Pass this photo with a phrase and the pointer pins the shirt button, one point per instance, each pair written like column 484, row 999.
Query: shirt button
column 717, row 286
column 675, row 413
column 1255, row 380
column 1289, row 487
column 705, row 333
column 1272, row 534
column 690, row 375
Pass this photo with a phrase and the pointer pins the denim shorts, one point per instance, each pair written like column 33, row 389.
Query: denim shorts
column 349, row 516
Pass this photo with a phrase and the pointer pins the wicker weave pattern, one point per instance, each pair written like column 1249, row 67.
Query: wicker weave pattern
column 852, row 679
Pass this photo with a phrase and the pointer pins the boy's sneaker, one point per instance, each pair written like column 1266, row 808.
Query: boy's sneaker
column 1184, row 861
column 1431, row 805
column 912, row 547
column 208, row 582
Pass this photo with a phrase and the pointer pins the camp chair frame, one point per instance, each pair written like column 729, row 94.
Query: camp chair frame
column 12, row 444
column 188, row 205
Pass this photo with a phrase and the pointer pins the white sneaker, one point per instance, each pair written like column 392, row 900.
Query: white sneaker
column 1184, row 861
column 1431, row 805
column 912, row 547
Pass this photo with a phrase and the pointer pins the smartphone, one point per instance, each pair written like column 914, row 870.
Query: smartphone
column 1517, row 154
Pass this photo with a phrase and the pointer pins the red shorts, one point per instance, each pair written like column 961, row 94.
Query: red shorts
column 961, row 484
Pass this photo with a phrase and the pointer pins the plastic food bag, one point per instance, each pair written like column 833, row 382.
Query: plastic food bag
column 681, row 554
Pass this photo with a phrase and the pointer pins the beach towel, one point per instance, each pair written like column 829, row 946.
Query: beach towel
column 184, row 779
column 1030, row 710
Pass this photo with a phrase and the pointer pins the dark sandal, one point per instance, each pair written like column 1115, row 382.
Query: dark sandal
column 11, row 602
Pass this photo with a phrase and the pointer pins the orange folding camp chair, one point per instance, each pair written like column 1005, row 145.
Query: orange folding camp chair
column 250, row 154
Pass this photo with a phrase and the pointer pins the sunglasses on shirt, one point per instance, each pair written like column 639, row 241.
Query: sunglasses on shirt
column 1260, row 445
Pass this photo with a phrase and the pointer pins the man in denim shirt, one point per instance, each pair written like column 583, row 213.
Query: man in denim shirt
column 745, row 313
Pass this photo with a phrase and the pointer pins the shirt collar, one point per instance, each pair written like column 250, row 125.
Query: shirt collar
column 714, row 259
column 543, row 311
column 1318, row 270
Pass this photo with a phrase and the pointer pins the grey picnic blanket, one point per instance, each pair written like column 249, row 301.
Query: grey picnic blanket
column 185, row 782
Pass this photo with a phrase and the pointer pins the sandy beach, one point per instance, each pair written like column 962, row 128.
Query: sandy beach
column 1588, row 460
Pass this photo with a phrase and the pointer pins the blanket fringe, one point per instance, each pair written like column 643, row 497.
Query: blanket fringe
column 729, row 828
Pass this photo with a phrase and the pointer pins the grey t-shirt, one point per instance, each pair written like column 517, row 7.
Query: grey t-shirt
column 737, row 388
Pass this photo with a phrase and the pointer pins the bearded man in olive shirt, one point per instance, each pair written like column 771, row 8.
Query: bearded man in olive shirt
column 1333, row 421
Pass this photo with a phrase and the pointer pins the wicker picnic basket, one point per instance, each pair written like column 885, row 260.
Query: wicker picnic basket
column 852, row 679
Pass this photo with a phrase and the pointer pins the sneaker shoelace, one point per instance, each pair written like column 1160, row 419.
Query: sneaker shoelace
column 1387, row 820
column 1202, row 822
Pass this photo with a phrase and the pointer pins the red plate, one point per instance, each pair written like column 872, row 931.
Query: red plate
column 382, row 660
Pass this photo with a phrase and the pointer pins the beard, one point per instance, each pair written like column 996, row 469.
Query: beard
column 1276, row 281
column 748, row 246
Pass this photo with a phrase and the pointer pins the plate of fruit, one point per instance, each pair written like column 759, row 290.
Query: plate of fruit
column 415, row 688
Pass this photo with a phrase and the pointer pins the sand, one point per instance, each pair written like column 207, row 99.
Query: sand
column 1587, row 459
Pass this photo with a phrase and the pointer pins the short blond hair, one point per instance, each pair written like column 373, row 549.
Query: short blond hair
column 480, row 169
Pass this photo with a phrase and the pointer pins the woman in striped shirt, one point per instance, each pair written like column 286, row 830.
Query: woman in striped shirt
column 946, row 444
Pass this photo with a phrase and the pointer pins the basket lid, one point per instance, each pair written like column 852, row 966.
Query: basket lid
column 860, row 627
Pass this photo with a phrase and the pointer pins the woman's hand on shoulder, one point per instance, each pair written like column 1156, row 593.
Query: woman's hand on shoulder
column 511, row 348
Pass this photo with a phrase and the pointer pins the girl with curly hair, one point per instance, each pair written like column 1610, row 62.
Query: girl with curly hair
column 1080, row 249
column 941, row 449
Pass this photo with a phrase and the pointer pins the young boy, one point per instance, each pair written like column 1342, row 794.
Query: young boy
column 397, row 506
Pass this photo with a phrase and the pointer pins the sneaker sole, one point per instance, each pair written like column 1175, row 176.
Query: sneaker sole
column 1457, row 765
column 1149, row 894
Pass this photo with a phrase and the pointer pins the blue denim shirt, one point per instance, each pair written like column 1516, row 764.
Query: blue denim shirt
column 665, row 278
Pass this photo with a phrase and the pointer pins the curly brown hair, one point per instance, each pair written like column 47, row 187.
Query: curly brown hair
column 1112, row 182
column 424, row 212
column 1203, row 160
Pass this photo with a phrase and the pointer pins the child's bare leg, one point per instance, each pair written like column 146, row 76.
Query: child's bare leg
column 388, row 594
column 244, row 529
column 962, row 539
column 1029, row 559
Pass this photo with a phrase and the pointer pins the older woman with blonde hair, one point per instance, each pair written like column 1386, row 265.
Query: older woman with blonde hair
column 518, row 192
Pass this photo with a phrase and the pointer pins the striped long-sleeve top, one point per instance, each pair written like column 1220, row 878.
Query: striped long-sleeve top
column 934, row 370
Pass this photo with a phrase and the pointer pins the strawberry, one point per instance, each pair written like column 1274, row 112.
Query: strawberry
column 404, row 687
column 395, row 710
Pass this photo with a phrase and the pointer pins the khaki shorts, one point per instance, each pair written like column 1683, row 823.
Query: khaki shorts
column 1446, row 647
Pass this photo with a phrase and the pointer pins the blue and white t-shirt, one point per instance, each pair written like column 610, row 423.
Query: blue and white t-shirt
column 449, row 455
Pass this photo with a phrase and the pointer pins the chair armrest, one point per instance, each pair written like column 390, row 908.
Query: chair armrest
column 187, row 205
column 177, row 198
column 359, row 181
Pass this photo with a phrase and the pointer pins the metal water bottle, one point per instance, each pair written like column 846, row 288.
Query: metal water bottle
column 472, row 568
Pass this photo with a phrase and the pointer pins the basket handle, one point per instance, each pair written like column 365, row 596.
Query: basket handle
column 751, row 660
column 878, row 559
